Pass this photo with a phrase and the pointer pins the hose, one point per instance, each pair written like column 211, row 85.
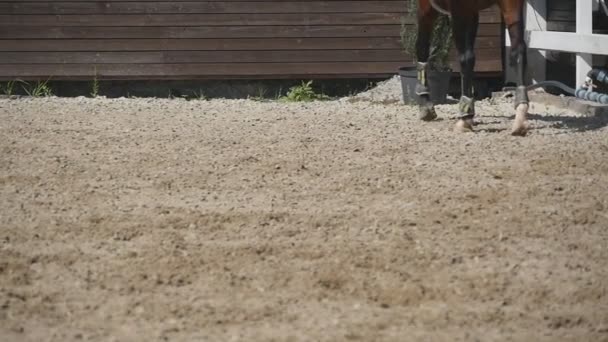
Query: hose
column 544, row 84
column 599, row 75
column 585, row 94
column 581, row 93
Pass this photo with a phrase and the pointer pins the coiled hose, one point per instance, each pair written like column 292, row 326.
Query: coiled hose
column 600, row 75
column 582, row 93
column 589, row 95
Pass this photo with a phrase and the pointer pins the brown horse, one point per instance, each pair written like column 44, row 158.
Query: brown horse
column 465, row 21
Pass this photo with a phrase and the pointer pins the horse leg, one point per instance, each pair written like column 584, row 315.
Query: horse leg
column 465, row 30
column 426, row 17
column 512, row 12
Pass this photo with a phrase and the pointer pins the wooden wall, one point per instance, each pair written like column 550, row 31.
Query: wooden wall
column 146, row 39
column 561, row 16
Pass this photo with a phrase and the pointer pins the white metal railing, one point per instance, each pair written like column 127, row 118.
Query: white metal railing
column 584, row 43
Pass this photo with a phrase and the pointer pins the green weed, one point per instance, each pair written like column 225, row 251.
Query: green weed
column 95, row 85
column 38, row 89
column 303, row 93
column 199, row 95
column 7, row 88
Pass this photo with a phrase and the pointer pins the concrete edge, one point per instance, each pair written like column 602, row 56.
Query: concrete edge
column 583, row 107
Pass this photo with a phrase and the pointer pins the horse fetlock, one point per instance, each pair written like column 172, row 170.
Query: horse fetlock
column 466, row 107
column 467, row 59
column 464, row 125
column 422, row 66
column 521, row 96
column 427, row 112
column 421, row 90
column 520, row 123
column 422, row 69
column 517, row 55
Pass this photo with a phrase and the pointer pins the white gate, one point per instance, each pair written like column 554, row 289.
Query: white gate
column 584, row 43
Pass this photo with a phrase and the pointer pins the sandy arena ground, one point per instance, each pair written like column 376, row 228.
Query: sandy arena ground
column 156, row 220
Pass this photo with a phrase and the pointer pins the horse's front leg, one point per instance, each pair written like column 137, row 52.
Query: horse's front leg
column 465, row 31
column 518, row 58
column 426, row 18
column 512, row 13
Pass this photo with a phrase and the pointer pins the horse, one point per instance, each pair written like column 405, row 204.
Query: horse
column 465, row 22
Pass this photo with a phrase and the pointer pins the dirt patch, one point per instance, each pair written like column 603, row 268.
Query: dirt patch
column 149, row 219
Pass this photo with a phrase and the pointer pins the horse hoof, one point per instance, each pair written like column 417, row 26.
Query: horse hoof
column 520, row 128
column 463, row 126
column 520, row 124
column 427, row 114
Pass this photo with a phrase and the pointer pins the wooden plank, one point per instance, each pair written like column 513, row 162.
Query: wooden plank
column 206, row 69
column 198, row 44
column 95, row 32
column 383, row 75
column 152, row 2
column 561, row 5
column 251, row 19
column 561, row 26
column 569, row 42
column 213, row 70
column 389, row 43
column 155, row 57
column 561, row 15
column 200, row 19
column 201, row 7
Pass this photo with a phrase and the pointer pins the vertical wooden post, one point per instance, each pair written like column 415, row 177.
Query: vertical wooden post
column 536, row 20
column 584, row 25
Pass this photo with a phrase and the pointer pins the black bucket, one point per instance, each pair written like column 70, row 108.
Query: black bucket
column 439, row 85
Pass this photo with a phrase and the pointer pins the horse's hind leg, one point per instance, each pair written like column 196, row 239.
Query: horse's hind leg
column 465, row 31
column 426, row 18
column 512, row 11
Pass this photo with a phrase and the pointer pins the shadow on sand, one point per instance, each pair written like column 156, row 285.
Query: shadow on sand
column 575, row 123
column 567, row 122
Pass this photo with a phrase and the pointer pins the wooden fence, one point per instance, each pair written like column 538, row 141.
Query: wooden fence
column 146, row 39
